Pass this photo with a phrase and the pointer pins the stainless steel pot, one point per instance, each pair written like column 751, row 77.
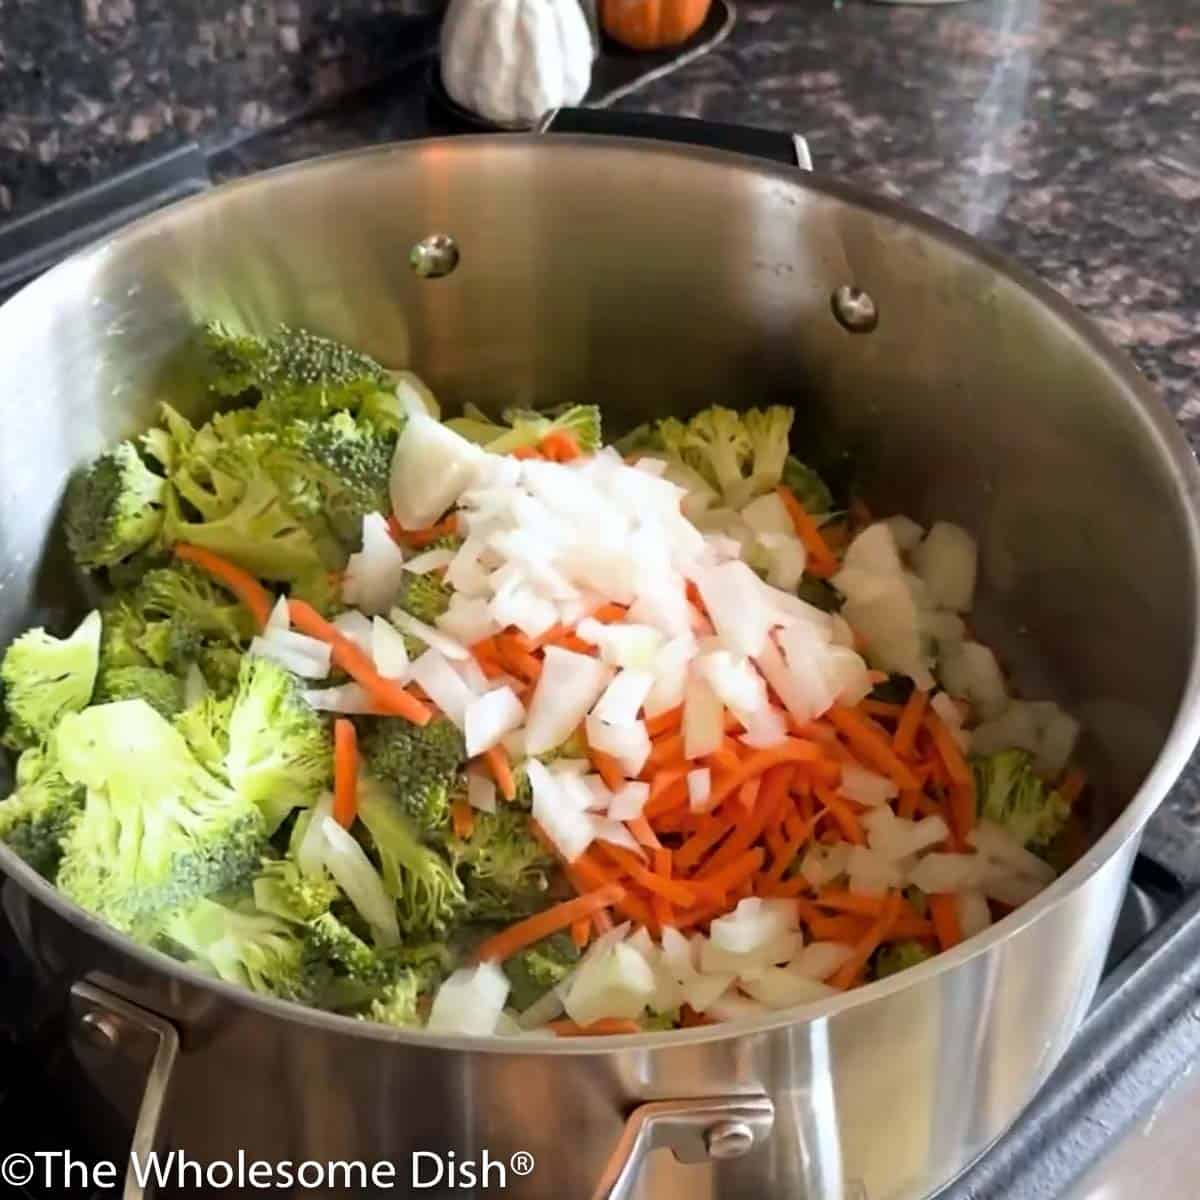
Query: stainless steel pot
column 650, row 278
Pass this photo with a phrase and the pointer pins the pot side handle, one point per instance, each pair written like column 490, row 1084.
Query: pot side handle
column 119, row 1038
column 701, row 1130
column 791, row 149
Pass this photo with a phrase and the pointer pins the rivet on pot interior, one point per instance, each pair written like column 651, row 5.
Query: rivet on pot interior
column 855, row 310
column 434, row 256
column 729, row 1139
column 101, row 1030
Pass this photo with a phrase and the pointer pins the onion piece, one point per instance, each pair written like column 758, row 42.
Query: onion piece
column 699, row 786
column 703, row 719
column 866, row 787
column 433, row 638
column 998, row 845
column 280, row 617
column 348, row 863
column 431, row 560
column 443, row 685
column 937, row 873
column 947, row 561
column 670, row 675
column 357, row 627
column 820, row 959
column 628, row 744
column 871, row 873
column 375, row 574
column 388, row 650
column 348, row 698
column 570, row 829
column 737, row 605
column 974, row 915
column 310, row 854
column 431, row 467
column 299, row 661
column 195, row 686
column 628, row 801
column 780, row 987
column 567, row 688
column 470, row 1001
column 481, row 791
column 488, row 718
column 617, row 983
column 623, row 698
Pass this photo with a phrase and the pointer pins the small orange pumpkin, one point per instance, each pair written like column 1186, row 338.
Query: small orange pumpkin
column 652, row 24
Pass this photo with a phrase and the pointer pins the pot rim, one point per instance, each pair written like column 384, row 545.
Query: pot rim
column 1159, row 426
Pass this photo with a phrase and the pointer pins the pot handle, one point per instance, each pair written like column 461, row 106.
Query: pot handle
column 791, row 149
column 714, row 1128
column 109, row 1029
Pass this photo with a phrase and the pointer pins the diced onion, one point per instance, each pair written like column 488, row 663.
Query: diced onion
column 947, row 561
column 974, row 915
column 617, row 983
column 629, row 744
column 938, row 873
column 628, row 801
column 567, row 688
column 623, row 698
column 388, row 650
column 998, row 845
column 703, row 719
column 781, row 987
column 443, row 685
column 310, row 854
column 734, row 598
column 280, row 617
column 820, row 959
column 489, row 717
column 431, row 560
column 865, row 787
column 433, row 638
column 357, row 627
column 481, row 791
column 294, row 657
column 356, row 875
column 348, row 698
column 470, row 1001
column 569, row 828
column 374, row 575
column 699, row 786
column 431, row 467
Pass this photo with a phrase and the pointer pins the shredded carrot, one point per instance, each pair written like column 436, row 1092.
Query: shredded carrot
column 606, row 614
column 601, row 1027
column 790, row 750
column 462, row 819
column 345, row 772
column 943, row 911
column 882, row 708
column 906, row 806
column 822, row 562
column 587, row 873
column 559, row 447
column 785, row 855
column 670, row 889
column 727, row 878
column 871, row 743
column 711, row 830
column 607, row 768
column 689, row 1018
column 949, row 751
column 905, row 739
column 241, row 583
column 601, row 921
column 516, row 937
column 848, row 973
column 747, row 794
column 525, row 452
column 723, row 758
column 857, row 903
column 665, row 722
column 517, row 659
column 387, row 693
column 581, row 932
column 1071, row 785
column 496, row 760
column 667, row 752
column 843, row 815
column 643, row 834
column 422, row 537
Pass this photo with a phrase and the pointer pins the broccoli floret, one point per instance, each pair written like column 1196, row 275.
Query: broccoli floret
column 171, row 644
column 428, row 893
column 157, row 831
column 807, row 486
column 205, row 728
column 349, row 461
column 283, row 889
column 280, row 756
column 322, row 590
column 181, row 592
column 425, row 597
column 899, row 956
column 768, row 430
column 524, row 427
column 36, row 818
column 221, row 666
column 332, row 941
column 421, row 763
column 160, row 689
column 400, row 1003
column 1012, row 796
column 46, row 677
column 714, row 443
column 293, row 373
column 113, row 508
column 505, row 870
column 259, row 532
column 241, row 945
column 537, row 969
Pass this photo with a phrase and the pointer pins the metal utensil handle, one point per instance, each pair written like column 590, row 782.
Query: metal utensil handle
column 715, row 1128
column 128, row 1030
column 790, row 149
